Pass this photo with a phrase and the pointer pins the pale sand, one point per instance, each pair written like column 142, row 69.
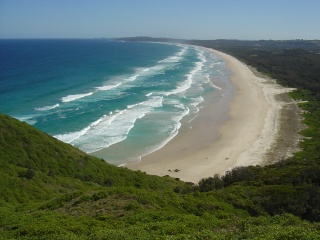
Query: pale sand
column 243, row 139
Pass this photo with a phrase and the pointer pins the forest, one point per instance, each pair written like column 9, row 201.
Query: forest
column 51, row 190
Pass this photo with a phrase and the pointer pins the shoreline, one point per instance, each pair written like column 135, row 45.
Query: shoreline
column 244, row 137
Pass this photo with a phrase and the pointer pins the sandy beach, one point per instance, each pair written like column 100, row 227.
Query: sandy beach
column 244, row 134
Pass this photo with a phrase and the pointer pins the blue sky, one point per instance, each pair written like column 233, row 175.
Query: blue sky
column 188, row 19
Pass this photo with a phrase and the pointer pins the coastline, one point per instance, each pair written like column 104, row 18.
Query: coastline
column 243, row 135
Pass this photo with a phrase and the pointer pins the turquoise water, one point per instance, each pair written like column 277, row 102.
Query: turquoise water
column 97, row 94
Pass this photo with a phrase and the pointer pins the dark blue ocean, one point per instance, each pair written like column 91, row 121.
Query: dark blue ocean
column 97, row 93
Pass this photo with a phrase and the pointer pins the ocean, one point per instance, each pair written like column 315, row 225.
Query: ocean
column 99, row 94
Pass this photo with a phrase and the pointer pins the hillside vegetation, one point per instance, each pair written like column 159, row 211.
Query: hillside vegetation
column 51, row 190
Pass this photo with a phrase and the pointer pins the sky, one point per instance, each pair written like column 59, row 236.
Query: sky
column 185, row 19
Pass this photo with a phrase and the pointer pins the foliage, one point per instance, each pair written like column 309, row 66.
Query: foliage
column 211, row 183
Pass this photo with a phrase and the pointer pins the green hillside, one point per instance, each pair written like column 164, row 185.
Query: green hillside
column 35, row 157
column 51, row 190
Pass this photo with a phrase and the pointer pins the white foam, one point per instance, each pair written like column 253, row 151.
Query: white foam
column 182, row 51
column 108, row 87
column 216, row 63
column 118, row 129
column 215, row 86
column 180, row 105
column 174, row 58
column 27, row 119
column 197, row 101
column 182, row 87
column 132, row 78
column 116, row 125
column 158, row 68
column 212, row 84
column 171, row 59
column 110, row 129
column 131, row 106
column 71, row 98
column 173, row 132
column 202, row 56
column 46, row 108
column 185, row 85
column 195, row 105
column 72, row 136
column 69, row 137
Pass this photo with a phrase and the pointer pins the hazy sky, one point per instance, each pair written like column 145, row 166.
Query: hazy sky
column 188, row 19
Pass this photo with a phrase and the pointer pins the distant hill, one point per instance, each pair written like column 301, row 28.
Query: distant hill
column 225, row 44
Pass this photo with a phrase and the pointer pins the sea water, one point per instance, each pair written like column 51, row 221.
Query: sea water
column 116, row 100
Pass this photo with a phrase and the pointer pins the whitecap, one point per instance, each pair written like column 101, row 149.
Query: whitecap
column 196, row 101
column 71, row 98
column 171, row 59
column 131, row 106
column 185, row 85
column 173, row 131
column 174, row 58
column 134, row 77
column 28, row 119
column 108, row 87
column 72, row 136
column 69, row 137
column 110, row 129
column 46, row 108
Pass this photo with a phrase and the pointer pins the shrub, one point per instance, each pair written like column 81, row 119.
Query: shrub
column 28, row 174
column 211, row 183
